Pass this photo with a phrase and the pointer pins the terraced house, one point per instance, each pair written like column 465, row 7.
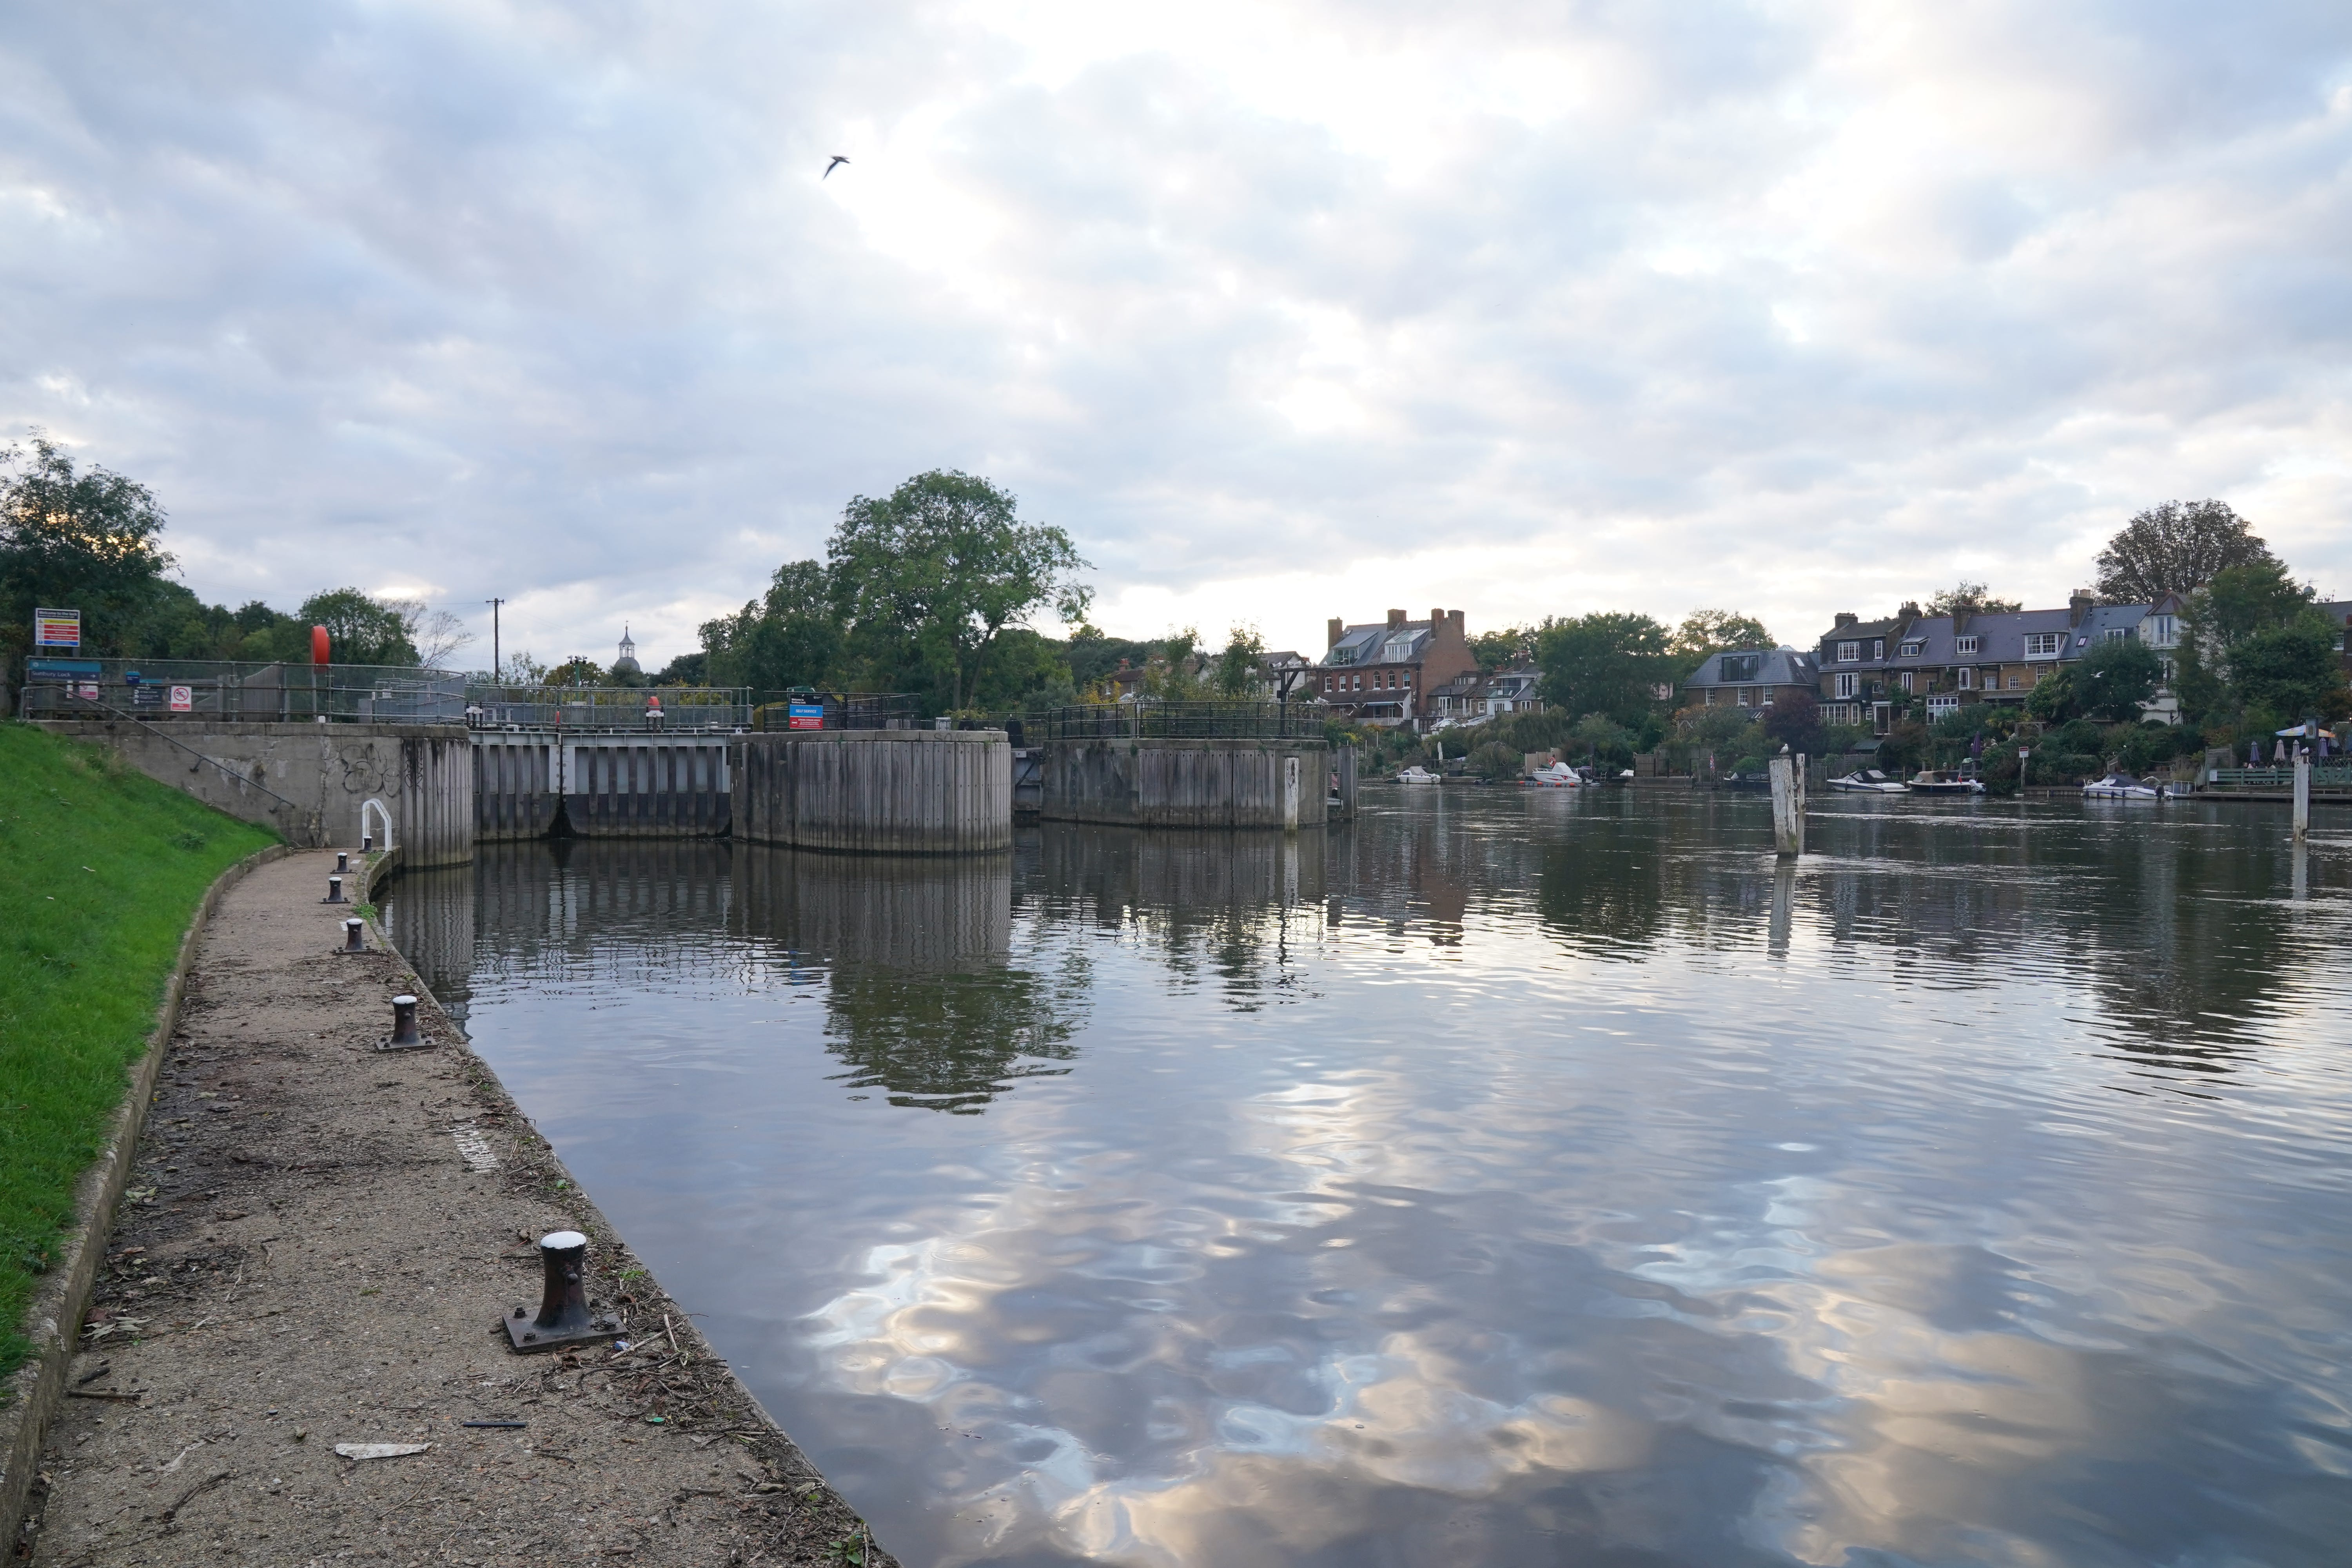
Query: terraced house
column 1387, row 673
column 1871, row 670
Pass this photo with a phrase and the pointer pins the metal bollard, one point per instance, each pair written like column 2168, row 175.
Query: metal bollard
column 342, row 860
column 563, row 1316
column 355, row 935
column 405, row 1034
column 367, row 842
column 334, row 892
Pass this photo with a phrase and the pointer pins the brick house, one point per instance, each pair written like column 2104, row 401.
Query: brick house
column 1388, row 672
column 1754, row 679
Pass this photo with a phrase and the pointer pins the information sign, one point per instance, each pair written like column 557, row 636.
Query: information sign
column 804, row 716
column 183, row 699
column 146, row 696
column 56, row 628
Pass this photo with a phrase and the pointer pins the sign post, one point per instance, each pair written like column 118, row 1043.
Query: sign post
column 56, row 628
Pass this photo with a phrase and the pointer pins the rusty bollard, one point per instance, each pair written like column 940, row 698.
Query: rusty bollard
column 334, row 892
column 405, row 1036
column 342, row 860
column 563, row 1316
column 355, row 935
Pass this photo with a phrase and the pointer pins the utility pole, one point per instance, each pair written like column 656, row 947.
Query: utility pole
column 495, row 676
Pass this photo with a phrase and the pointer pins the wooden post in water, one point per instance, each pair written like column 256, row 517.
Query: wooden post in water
column 2302, row 796
column 1787, row 805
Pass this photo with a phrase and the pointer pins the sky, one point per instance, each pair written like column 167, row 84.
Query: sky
column 1283, row 311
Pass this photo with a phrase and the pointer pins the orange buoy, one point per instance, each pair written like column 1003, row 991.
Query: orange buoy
column 319, row 645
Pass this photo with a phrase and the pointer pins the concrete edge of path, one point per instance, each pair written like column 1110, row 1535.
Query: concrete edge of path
column 53, row 1317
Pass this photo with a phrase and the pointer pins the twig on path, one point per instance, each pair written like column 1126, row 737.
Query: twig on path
column 186, row 1498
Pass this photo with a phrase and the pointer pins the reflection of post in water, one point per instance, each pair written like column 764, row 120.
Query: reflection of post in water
column 1784, row 904
column 2300, row 877
column 430, row 917
column 923, row 999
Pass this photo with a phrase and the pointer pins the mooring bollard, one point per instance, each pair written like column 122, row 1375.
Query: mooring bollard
column 563, row 1317
column 2302, row 796
column 367, row 842
column 334, row 892
column 405, row 1036
column 355, row 937
column 342, row 860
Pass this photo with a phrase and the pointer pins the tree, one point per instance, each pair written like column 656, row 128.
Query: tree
column 359, row 630
column 1237, row 666
column 943, row 565
column 1971, row 599
column 2288, row 672
column 2115, row 677
column 2053, row 700
column 1494, row 649
column 1794, row 721
column 2254, row 641
column 86, row 541
column 792, row 636
column 1705, row 632
column 2175, row 548
column 435, row 635
column 1609, row 662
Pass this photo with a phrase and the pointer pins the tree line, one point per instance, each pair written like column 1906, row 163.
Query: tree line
column 92, row 540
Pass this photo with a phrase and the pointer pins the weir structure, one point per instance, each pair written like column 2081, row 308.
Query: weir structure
column 1212, row 764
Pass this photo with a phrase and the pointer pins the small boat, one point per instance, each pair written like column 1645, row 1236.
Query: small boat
column 1417, row 775
column 2122, row 786
column 1867, row 781
column 1939, row 781
column 1746, row 780
column 1560, row 776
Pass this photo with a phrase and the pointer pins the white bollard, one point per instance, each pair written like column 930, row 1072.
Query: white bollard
column 2302, row 795
column 1787, row 806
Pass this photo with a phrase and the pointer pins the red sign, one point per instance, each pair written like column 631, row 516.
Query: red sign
column 182, row 700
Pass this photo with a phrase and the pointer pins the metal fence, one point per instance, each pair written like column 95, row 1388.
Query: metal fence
column 2323, row 776
column 842, row 710
column 668, row 708
column 1176, row 720
column 165, row 688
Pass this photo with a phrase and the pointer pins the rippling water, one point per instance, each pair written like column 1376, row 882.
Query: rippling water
column 1507, row 1178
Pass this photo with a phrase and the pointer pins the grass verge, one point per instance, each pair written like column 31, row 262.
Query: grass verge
column 101, row 868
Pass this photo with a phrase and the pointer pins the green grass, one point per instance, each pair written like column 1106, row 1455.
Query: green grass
column 101, row 868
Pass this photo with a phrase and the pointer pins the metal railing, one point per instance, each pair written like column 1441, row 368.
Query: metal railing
column 843, row 710
column 1176, row 720
column 168, row 688
column 2338, row 776
column 580, row 708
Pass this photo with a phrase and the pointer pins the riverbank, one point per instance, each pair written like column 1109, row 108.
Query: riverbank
column 103, row 868
column 317, row 1248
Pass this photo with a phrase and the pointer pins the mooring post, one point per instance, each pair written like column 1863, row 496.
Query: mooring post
column 334, row 892
column 355, row 935
column 563, row 1316
column 342, row 860
column 1787, row 806
column 2302, row 795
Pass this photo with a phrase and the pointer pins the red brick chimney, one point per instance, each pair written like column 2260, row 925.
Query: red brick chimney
column 1396, row 619
column 1333, row 630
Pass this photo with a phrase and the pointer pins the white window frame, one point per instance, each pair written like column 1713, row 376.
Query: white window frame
column 1914, row 648
column 1970, row 643
column 1965, row 678
column 1878, row 648
column 2044, row 645
column 2120, row 634
column 1940, row 707
column 1845, row 684
column 1848, row 652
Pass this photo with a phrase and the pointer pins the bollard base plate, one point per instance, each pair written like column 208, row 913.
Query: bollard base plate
column 530, row 1339
column 389, row 1043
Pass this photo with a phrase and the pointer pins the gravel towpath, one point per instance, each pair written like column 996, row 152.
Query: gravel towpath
column 317, row 1248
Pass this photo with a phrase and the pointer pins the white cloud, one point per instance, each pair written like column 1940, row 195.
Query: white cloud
column 1284, row 311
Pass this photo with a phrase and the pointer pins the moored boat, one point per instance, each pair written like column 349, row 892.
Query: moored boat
column 1942, row 780
column 1560, row 776
column 1866, row 781
column 1417, row 775
column 2122, row 786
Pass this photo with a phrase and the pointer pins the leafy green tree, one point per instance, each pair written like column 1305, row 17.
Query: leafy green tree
column 1705, row 632
column 2115, row 677
column 1609, row 662
column 2054, row 699
column 2254, row 644
column 940, row 567
column 1971, row 598
column 361, row 630
column 2174, row 549
column 792, row 636
column 88, row 540
column 1095, row 655
column 2287, row 672
column 578, row 671
column 1237, row 666
column 1496, row 649
column 1794, row 721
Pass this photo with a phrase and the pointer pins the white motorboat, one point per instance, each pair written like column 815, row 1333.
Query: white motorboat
column 1417, row 775
column 1867, row 781
column 1944, row 781
column 2122, row 786
column 1560, row 776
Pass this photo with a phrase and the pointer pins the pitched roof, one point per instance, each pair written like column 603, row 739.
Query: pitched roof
column 1775, row 666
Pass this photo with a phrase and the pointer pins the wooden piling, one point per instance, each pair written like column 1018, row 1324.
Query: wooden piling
column 882, row 791
column 1788, row 804
column 2302, row 796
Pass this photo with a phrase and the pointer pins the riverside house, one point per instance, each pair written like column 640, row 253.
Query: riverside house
column 1871, row 670
column 1753, row 679
column 1386, row 673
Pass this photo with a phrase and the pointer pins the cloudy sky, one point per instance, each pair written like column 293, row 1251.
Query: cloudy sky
column 1283, row 311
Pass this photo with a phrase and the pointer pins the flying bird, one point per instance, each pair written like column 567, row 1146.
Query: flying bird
column 837, row 162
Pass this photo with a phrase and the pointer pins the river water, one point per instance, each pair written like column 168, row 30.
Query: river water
column 1509, row 1177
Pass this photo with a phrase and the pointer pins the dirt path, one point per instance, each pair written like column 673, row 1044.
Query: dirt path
column 317, row 1250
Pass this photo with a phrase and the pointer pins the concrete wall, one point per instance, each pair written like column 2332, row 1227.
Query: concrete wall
column 516, row 786
column 1187, row 783
column 424, row 774
column 887, row 792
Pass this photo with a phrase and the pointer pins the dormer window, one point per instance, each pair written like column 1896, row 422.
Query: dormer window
column 1343, row 656
column 1399, row 650
column 1742, row 665
column 2043, row 645
column 1848, row 652
column 1970, row 643
column 1914, row 648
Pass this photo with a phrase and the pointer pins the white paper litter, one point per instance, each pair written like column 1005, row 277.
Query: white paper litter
column 379, row 1450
